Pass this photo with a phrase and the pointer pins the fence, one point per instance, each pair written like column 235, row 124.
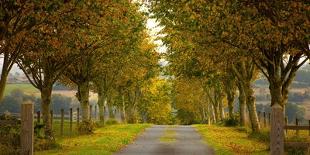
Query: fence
column 297, row 126
column 27, row 118
column 27, row 128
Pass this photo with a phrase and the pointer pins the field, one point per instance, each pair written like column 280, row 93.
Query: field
column 230, row 140
column 25, row 87
column 30, row 90
column 104, row 141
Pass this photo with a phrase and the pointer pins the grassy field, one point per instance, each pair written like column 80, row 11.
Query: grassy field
column 104, row 141
column 229, row 140
column 27, row 88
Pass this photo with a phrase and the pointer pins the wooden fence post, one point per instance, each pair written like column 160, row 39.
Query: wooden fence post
column 52, row 118
column 62, row 122
column 27, row 128
column 38, row 117
column 297, row 122
column 77, row 117
column 276, row 130
column 70, row 120
column 90, row 109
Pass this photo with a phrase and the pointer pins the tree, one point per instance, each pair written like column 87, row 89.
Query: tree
column 50, row 50
column 17, row 20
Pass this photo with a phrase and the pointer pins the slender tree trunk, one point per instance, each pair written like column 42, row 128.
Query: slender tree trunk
column 216, row 113
column 4, row 76
column 211, row 115
column 110, row 108
column 83, row 92
column 242, row 105
column 46, row 94
column 221, row 110
column 101, row 106
column 250, row 101
column 123, row 114
column 231, row 107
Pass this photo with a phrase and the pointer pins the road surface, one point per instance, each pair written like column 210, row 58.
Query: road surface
column 168, row 140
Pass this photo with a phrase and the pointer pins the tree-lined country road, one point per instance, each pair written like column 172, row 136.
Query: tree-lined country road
column 168, row 140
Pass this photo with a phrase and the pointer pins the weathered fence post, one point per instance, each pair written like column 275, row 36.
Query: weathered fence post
column 70, row 120
column 27, row 129
column 297, row 122
column 52, row 118
column 38, row 117
column 90, row 110
column 77, row 117
column 62, row 122
column 276, row 130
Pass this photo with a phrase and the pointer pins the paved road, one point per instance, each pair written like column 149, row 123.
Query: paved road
column 186, row 142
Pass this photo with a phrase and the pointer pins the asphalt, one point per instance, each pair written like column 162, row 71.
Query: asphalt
column 186, row 142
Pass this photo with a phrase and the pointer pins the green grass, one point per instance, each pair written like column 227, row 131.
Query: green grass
column 232, row 140
column 104, row 141
column 27, row 88
column 168, row 136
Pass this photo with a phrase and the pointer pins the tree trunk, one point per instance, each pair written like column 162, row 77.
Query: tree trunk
column 250, row 101
column 230, row 107
column 83, row 92
column 221, row 110
column 46, row 94
column 101, row 106
column 216, row 113
column 110, row 108
column 3, row 80
column 242, row 106
column 123, row 114
column 277, row 119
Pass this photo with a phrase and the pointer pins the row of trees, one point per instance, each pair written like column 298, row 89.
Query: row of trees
column 91, row 45
column 226, row 44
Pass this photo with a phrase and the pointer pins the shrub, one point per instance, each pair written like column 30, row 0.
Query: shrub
column 86, row 127
column 296, row 150
column 111, row 122
column 230, row 122
column 10, row 135
column 41, row 144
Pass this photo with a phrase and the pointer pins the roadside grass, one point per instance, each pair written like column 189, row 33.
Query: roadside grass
column 168, row 136
column 234, row 140
column 25, row 87
column 104, row 141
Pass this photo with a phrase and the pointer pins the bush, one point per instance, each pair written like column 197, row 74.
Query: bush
column 41, row 144
column 231, row 122
column 296, row 150
column 10, row 135
column 86, row 127
column 111, row 122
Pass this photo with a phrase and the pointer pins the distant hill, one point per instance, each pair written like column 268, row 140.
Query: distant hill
column 302, row 79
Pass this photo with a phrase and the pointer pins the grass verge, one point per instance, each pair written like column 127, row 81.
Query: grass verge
column 232, row 140
column 104, row 141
